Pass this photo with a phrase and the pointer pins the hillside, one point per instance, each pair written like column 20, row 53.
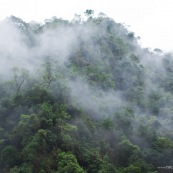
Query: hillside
column 83, row 96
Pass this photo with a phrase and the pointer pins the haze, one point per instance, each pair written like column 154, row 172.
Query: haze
column 150, row 20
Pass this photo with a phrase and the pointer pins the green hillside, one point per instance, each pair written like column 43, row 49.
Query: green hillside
column 83, row 96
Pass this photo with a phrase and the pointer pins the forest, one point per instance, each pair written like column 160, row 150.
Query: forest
column 83, row 96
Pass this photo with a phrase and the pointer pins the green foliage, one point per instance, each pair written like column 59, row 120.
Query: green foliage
column 107, row 124
column 162, row 142
column 127, row 151
column 23, row 168
column 48, row 75
column 47, row 126
column 9, row 155
column 67, row 163
column 20, row 76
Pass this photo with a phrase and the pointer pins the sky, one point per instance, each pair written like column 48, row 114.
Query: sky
column 151, row 20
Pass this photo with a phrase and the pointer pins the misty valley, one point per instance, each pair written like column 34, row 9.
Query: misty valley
column 83, row 96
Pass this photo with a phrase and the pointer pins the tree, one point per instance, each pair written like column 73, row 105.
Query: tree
column 9, row 156
column 48, row 74
column 20, row 76
column 108, row 126
column 89, row 13
column 126, row 151
column 24, row 168
column 67, row 163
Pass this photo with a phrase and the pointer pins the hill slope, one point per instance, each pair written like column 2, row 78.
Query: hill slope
column 82, row 96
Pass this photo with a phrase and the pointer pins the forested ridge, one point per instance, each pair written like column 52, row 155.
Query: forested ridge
column 83, row 96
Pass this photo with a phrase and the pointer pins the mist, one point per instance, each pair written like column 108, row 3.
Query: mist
column 62, row 43
column 98, row 70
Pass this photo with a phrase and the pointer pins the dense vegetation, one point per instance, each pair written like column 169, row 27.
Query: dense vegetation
column 83, row 96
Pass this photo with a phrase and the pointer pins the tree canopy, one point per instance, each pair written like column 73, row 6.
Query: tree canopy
column 83, row 96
